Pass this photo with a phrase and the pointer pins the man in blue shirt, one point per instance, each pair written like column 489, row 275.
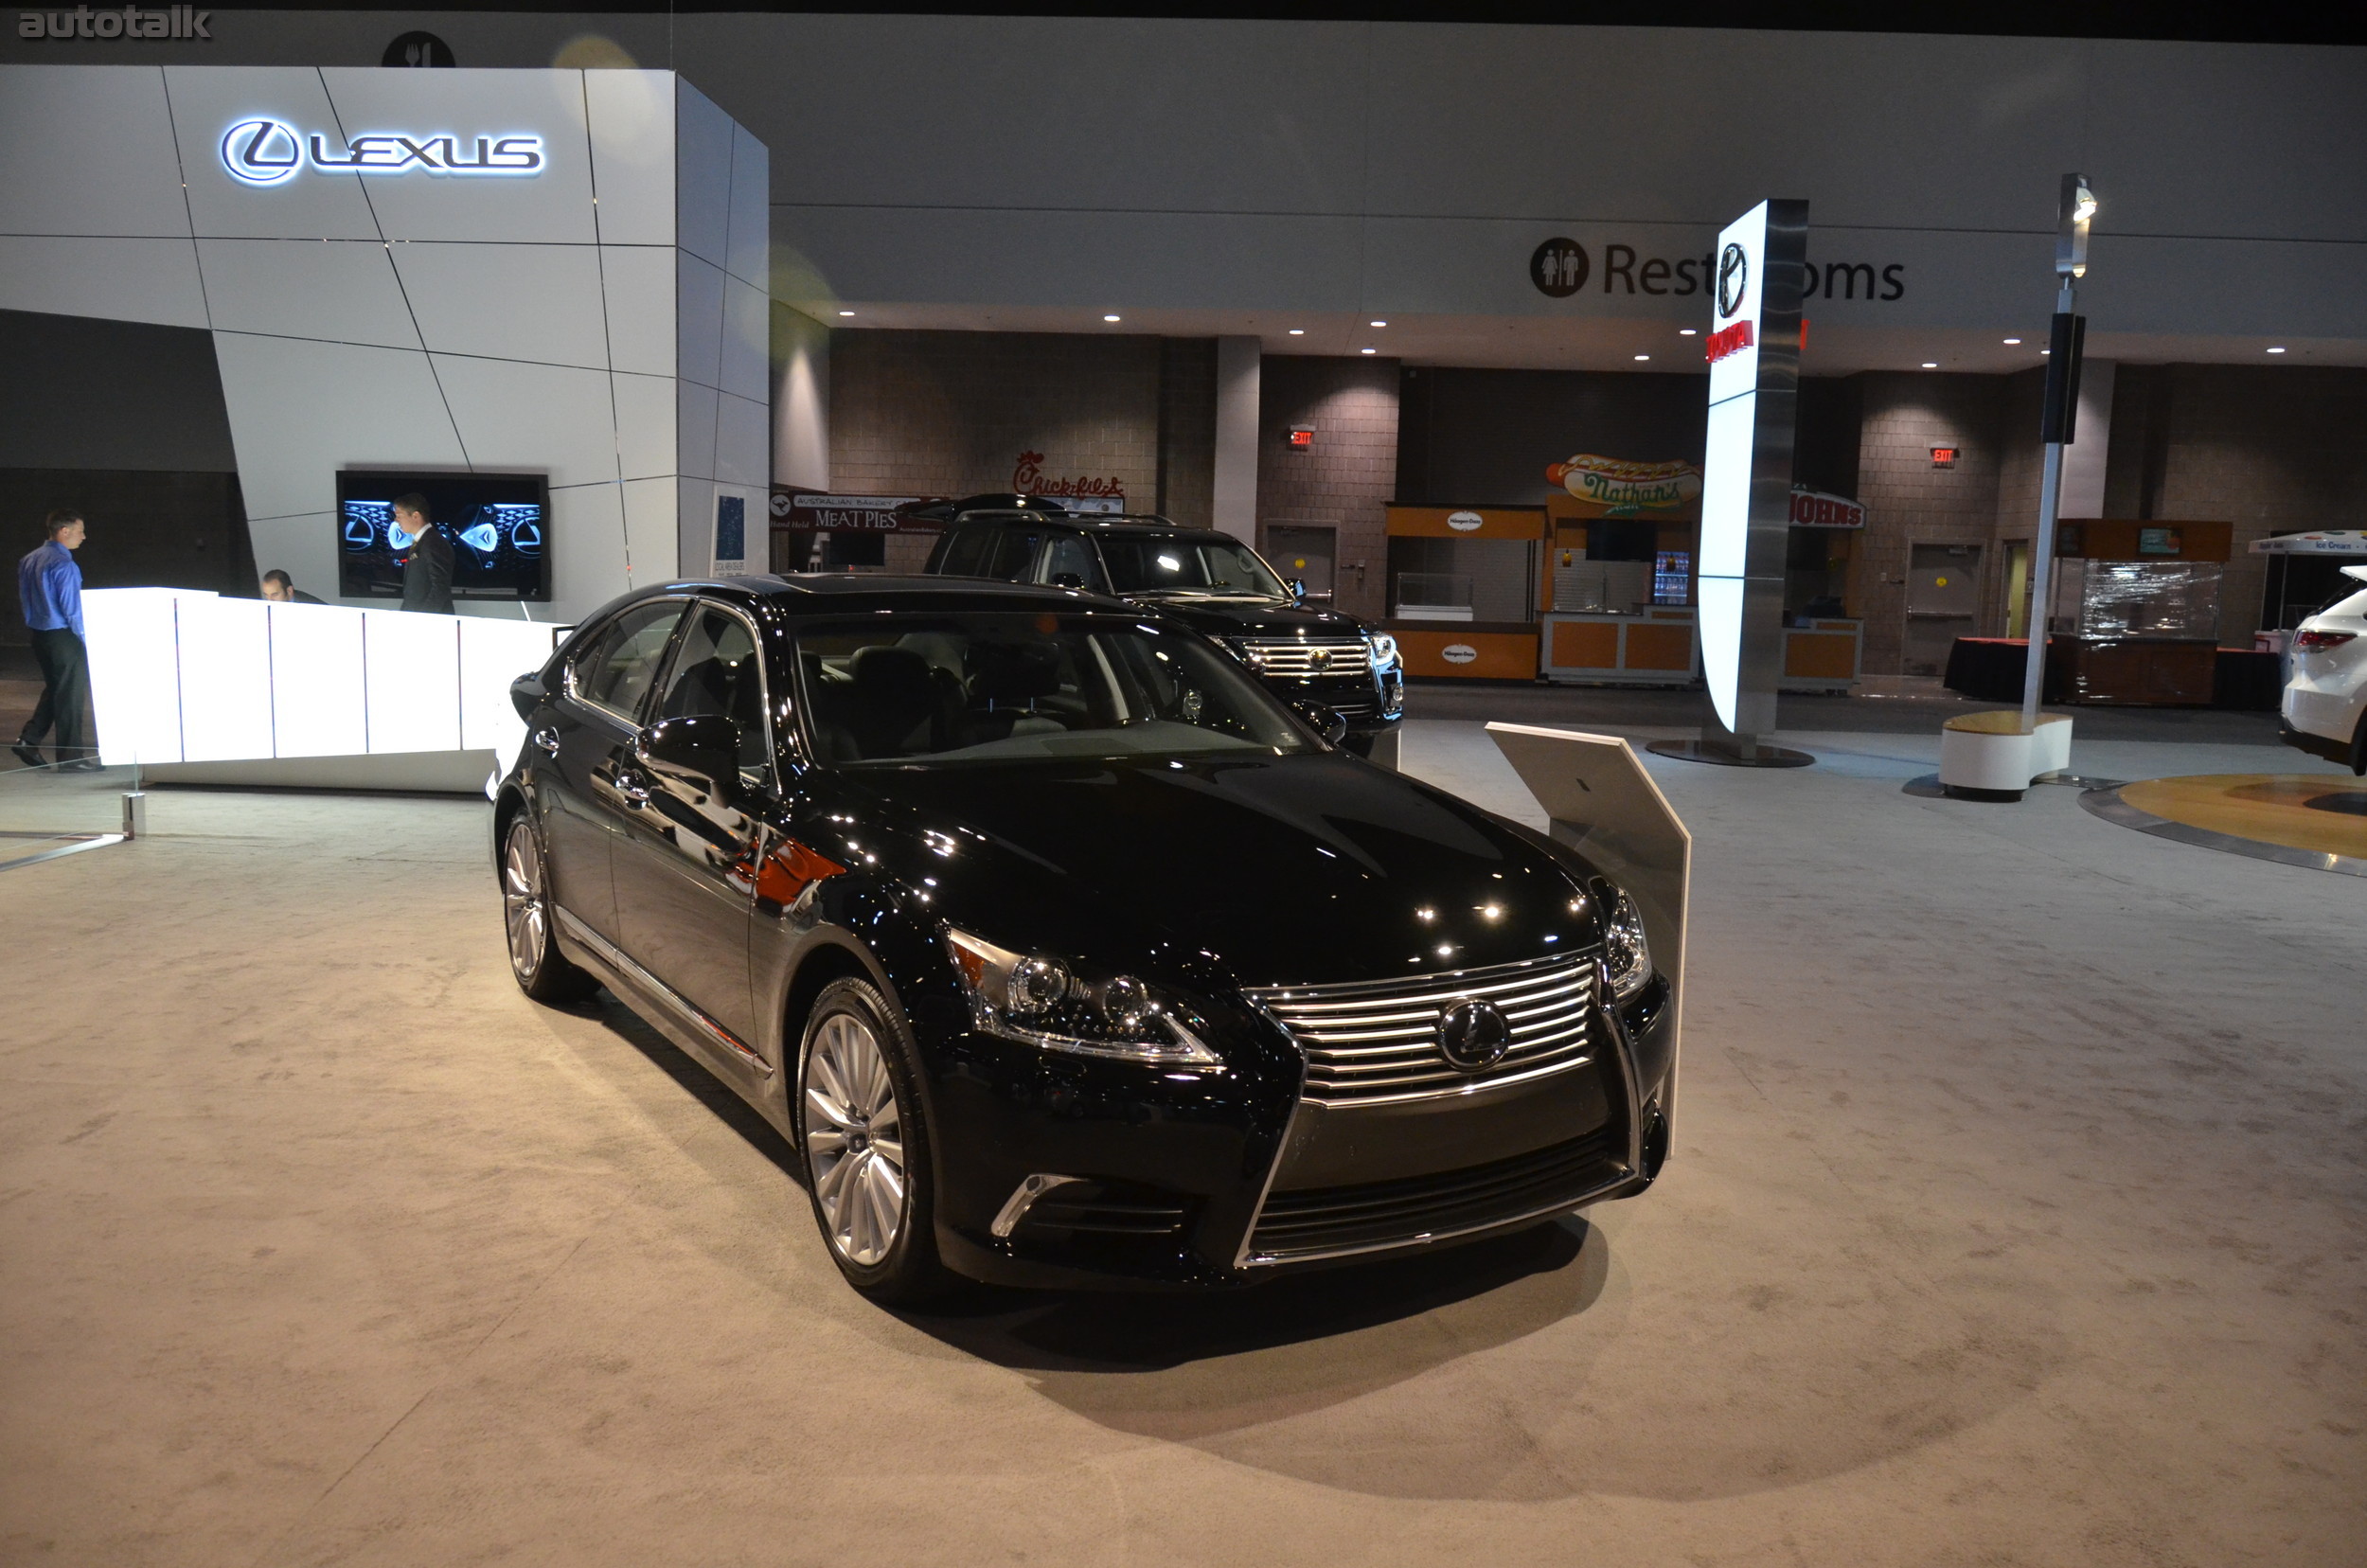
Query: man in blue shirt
column 49, row 586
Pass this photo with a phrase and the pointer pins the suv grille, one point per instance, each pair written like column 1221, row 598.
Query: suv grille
column 1377, row 1043
column 1308, row 658
column 1370, row 1216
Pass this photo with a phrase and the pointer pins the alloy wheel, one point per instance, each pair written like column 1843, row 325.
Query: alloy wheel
column 854, row 1140
column 525, row 911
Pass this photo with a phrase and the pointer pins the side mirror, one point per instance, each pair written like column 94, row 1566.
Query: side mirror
column 1298, row 590
column 1323, row 721
column 527, row 693
column 699, row 754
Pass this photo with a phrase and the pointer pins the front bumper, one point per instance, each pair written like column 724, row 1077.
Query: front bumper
column 1214, row 1178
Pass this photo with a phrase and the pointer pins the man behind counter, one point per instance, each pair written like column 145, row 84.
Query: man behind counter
column 427, row 570
column 280, row 588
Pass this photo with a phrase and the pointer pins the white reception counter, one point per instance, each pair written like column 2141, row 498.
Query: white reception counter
column 198, row 688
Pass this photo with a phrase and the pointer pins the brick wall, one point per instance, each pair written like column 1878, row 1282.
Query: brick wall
column 1351, row 474
column 1909, row 502
column 1187, row 430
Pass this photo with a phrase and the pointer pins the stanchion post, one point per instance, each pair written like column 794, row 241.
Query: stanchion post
column 2058, row 427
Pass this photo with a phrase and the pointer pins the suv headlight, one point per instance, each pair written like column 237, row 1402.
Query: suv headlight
column 1625, row 953
column 1384, row 651
column 1042, row 1001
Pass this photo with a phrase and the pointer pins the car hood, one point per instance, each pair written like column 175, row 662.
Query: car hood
column 1278, row 870
column 1246, row 618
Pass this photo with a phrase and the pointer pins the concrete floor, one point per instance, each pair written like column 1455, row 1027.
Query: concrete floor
column 2016, row 1218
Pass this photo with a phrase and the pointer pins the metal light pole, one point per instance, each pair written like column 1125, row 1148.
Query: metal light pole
column 2058, row 426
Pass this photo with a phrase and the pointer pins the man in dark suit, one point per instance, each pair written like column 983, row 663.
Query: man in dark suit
column 427, row 570
column 280, row 588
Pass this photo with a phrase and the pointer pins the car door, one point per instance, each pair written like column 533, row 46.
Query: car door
column 685, row 858
column 585, row 742
column 1069, row 561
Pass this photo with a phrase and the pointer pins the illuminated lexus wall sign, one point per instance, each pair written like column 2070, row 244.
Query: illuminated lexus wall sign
column 264, row 151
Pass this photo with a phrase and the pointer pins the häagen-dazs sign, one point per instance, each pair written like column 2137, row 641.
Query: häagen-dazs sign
column 266, row 151
column 1619, row 489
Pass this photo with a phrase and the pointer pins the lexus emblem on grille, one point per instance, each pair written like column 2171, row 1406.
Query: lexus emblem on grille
column 1320, row 658
column 1473, row 1035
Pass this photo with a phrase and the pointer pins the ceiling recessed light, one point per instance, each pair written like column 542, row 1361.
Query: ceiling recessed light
column 1381, row 323
column 2013, row 340
column 2276, row 350
column 1369, row 350
column 2044, row 352
column 1109, row 318
column 1643, row 356
column 1298, row 332
column 1930, row 365
column 1685, row 332
column 847, row 312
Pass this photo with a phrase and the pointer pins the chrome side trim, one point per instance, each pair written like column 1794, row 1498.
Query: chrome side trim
column 608, row 954
column 1623, row 1051
column 1023, row 1198
column 1569, row 1205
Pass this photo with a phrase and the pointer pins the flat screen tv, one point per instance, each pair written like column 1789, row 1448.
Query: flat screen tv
column 499, row 525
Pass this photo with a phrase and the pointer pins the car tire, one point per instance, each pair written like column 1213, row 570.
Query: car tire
column 864, row 1140
column 2359, row 747
column 542, row 971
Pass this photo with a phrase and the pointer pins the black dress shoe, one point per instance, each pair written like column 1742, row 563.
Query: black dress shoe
column 29, row 756
column 87, row 765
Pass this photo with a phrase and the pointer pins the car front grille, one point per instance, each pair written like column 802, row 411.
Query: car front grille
column 1374, row 1216
column 1377, row 1043
column 1308, row 658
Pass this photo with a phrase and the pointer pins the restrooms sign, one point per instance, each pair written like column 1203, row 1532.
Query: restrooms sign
column 266, row 151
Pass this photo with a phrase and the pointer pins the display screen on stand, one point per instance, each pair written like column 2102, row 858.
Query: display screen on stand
column 498, row 523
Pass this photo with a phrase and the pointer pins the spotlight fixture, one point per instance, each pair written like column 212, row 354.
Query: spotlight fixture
column 847, row 312
column 1641, row 357
column 1368, row 350
column 1109, row 318
column 2012, row 340
column 1381, row 323
column 1686, row 331
column 2276, row 350
column 1930, row 365
column 1298, row 332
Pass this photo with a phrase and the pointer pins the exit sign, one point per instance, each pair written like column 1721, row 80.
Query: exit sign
column 1301, row 437
column 1943, row 456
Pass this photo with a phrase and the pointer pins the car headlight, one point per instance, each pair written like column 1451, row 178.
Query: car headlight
column 1384, row 650
column 1626, row 954
column 1044, row 1002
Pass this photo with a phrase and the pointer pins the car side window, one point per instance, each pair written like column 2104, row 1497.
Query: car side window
column 965, row 551
column 717, row 670
column 1072, row 554
column 1014, row 552
column 617, row 669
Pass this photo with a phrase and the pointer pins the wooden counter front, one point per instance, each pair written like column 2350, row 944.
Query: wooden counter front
column 1497, row 653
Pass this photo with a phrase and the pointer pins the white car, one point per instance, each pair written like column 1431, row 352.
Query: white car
column 2326, row 696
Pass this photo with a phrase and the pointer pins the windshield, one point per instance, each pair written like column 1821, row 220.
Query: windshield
column 1150, row 565
column 1019, row 686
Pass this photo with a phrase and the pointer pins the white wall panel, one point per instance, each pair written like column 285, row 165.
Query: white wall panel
column 750, row 210
column 206, row 102
column 631, row 158
column 553, row 204
column 694, row 429
column 316, row 682
column 653, row 534
column 299, row 411
column 801, row 400
column 520, row 302
column 743, row 453
column 646, row 415
column 695, row 526
column 638, row 281
column 134, row 673
column 746, row 349
column 699, row 321
column 115, row 279
column 344, row 291
column 539, row 417
column 305, row 546
column 702, row 174
column 225, row 679
column 121, row 176
column 411, row 680
column 588, row 553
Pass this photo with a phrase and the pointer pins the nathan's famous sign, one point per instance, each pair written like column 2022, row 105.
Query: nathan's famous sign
column 1610, row 488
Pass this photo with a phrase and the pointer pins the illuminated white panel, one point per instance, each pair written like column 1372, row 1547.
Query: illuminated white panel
column 1726, row 486
column 493, row 655
column 411, row 681
column 1719, row 617
column 134, row 674
column 317, row 681
column 225, row 679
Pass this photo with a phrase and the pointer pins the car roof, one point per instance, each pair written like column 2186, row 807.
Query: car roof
column 842, row 593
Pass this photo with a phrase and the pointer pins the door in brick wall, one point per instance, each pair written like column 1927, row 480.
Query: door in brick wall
column 1305, row 553
column 1943, row 591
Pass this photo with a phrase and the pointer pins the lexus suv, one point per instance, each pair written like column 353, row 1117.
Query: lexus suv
column 2325, row 698
column 1061, row 951
column 1212, row 582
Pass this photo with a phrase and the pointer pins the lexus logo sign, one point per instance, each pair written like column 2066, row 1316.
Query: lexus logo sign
column 1733, row 280
column 264, row 151
column 1473, row 1035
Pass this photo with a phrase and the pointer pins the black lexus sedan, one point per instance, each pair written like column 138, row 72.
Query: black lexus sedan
column 1061, row 951
column 1210, row 581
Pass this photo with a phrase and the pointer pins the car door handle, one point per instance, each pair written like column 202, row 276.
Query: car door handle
column 631, row 787
column 547, row 738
